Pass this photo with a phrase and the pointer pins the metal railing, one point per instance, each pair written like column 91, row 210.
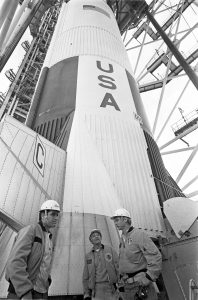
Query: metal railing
column 193, row 290
column 186, row 121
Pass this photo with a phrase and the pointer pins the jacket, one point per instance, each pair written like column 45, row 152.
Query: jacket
column 111, row 261
column 25, row 259
column 138, row 252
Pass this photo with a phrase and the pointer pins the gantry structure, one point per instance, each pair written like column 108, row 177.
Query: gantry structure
column 23, row 83
column 163, row 24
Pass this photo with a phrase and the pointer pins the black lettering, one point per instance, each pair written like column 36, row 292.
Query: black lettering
column 37, row 153
column 109, row 100
column 100, row 67
column 109, row 84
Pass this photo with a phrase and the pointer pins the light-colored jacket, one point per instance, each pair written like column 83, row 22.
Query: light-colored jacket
column 25, row 259
column 111, row 262
column 138, row 252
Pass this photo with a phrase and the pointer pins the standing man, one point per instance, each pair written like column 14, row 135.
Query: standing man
column 100, row 273
column 28, row 267
column 139, row 260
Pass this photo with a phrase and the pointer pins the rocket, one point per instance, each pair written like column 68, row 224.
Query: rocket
column 87, row 103
column 87, row 144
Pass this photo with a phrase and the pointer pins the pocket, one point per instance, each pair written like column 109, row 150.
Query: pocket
column 134, row 254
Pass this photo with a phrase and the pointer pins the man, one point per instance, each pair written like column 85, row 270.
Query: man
column 100, row 273
column 28, row 267
column 139, row 259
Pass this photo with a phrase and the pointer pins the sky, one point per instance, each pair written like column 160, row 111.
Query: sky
column 14, row 62
column 173, row 94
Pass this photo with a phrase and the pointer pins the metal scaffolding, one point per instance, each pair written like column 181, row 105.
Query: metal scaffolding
column 18, row 99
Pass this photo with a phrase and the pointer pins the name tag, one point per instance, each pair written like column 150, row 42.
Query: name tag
column 129, row 241
column 89, row 261
column 108, row 257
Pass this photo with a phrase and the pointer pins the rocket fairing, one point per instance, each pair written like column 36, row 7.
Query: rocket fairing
column 87, row 103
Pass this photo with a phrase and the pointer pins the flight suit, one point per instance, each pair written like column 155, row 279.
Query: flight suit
column 139, row 260
column 100, row 274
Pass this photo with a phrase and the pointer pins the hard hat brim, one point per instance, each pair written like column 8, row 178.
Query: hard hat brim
column 93, row 231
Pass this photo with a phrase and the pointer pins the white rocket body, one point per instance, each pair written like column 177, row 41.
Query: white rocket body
column 107, row 165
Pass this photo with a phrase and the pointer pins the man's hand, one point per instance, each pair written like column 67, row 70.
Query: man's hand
column 27, row 296
column 141, row 279
column 87, row 295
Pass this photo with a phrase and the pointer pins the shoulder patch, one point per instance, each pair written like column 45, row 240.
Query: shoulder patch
column 108, row 257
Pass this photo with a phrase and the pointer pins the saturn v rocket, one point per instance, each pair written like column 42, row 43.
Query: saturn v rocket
column 93, row 149
column 88, row 94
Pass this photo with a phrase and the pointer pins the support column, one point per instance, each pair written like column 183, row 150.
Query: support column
column 187, row 68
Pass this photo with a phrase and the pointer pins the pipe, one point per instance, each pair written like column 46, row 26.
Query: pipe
column 187, row 68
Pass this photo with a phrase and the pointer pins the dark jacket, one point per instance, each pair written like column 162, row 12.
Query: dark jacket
column 111, row 261
column 25, row 259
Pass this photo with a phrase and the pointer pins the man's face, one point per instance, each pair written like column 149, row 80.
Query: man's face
column 96, row 238
column 120, row 222
column 50, row 218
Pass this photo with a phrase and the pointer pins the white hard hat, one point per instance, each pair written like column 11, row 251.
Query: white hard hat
column 95, row 230
column 51, row 205
column 121, row 212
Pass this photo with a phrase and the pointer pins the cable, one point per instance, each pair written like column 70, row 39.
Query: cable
column 168, row 185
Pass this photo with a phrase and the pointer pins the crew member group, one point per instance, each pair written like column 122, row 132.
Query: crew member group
column 107, row 275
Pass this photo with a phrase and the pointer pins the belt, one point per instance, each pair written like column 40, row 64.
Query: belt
column 36, row 294
column 131, row 280
column 135, row 273
column 131, row 276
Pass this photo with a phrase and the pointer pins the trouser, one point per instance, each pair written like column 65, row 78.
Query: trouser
column 104, row 291
column 35, row 295
column 130, row 290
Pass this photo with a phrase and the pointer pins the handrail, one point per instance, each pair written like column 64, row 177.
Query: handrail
column 185, row 120
column 192, row 288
